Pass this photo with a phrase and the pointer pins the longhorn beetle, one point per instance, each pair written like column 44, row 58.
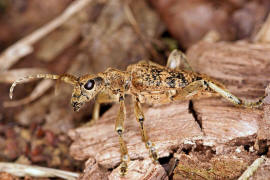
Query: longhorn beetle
column 146, row 82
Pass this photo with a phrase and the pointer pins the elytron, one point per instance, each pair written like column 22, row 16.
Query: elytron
column 146, row 82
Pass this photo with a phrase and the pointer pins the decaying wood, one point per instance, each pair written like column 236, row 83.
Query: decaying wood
column 100, row 142
column 226, row 131
column 218, row 167
column 244, row 69
column 264, row 125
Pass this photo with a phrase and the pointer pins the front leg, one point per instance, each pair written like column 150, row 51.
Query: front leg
column 103, row 97
column 140, row 118
column 119, row 128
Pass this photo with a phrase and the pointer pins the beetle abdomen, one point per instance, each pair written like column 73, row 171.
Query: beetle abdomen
column 151, row 78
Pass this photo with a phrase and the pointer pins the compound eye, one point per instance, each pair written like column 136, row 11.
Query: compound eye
column 89, row 84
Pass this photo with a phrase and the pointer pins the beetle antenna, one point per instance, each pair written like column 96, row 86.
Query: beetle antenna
column 67, row 78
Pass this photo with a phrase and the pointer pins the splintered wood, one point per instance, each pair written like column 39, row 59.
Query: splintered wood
column 226, row 131
column 100, row 142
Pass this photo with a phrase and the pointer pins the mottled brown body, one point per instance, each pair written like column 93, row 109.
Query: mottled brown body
column 152, row 83
column 147, row 77
column 146, row 82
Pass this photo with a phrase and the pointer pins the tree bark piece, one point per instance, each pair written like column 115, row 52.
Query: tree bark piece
column 223, row 122
column 264, row 125
column 167, row 125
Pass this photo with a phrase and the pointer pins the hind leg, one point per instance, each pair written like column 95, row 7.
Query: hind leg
column 194, row 89
column 232, row 98
column 206, row 86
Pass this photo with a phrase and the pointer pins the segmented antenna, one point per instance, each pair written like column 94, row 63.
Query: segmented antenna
column 70, row 79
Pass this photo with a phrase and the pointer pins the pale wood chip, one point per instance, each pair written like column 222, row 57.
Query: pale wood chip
column 36, row 171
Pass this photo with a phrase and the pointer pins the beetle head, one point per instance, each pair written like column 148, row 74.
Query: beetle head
column 86, row 88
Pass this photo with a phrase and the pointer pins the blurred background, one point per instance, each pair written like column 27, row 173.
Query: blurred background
column 84, row 36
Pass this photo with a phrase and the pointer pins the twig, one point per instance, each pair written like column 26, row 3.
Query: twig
column 211, row 37
column 24, row 46
column 252, row 168
column 263, row 36
column 132, row 20
column 35, row 171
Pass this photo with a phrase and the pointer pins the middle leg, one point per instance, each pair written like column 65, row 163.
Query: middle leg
column 140, row 118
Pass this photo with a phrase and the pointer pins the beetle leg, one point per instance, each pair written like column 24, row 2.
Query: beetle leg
column 177, row 60
column 140, row 118
column 212, row 88
column 190, row 91
column 95, row 114
column 232, row 98
column 205, row 86
column 102, row 97
column 119, row 128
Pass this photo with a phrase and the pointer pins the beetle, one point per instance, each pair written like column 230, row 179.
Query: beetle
column 146, row 82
